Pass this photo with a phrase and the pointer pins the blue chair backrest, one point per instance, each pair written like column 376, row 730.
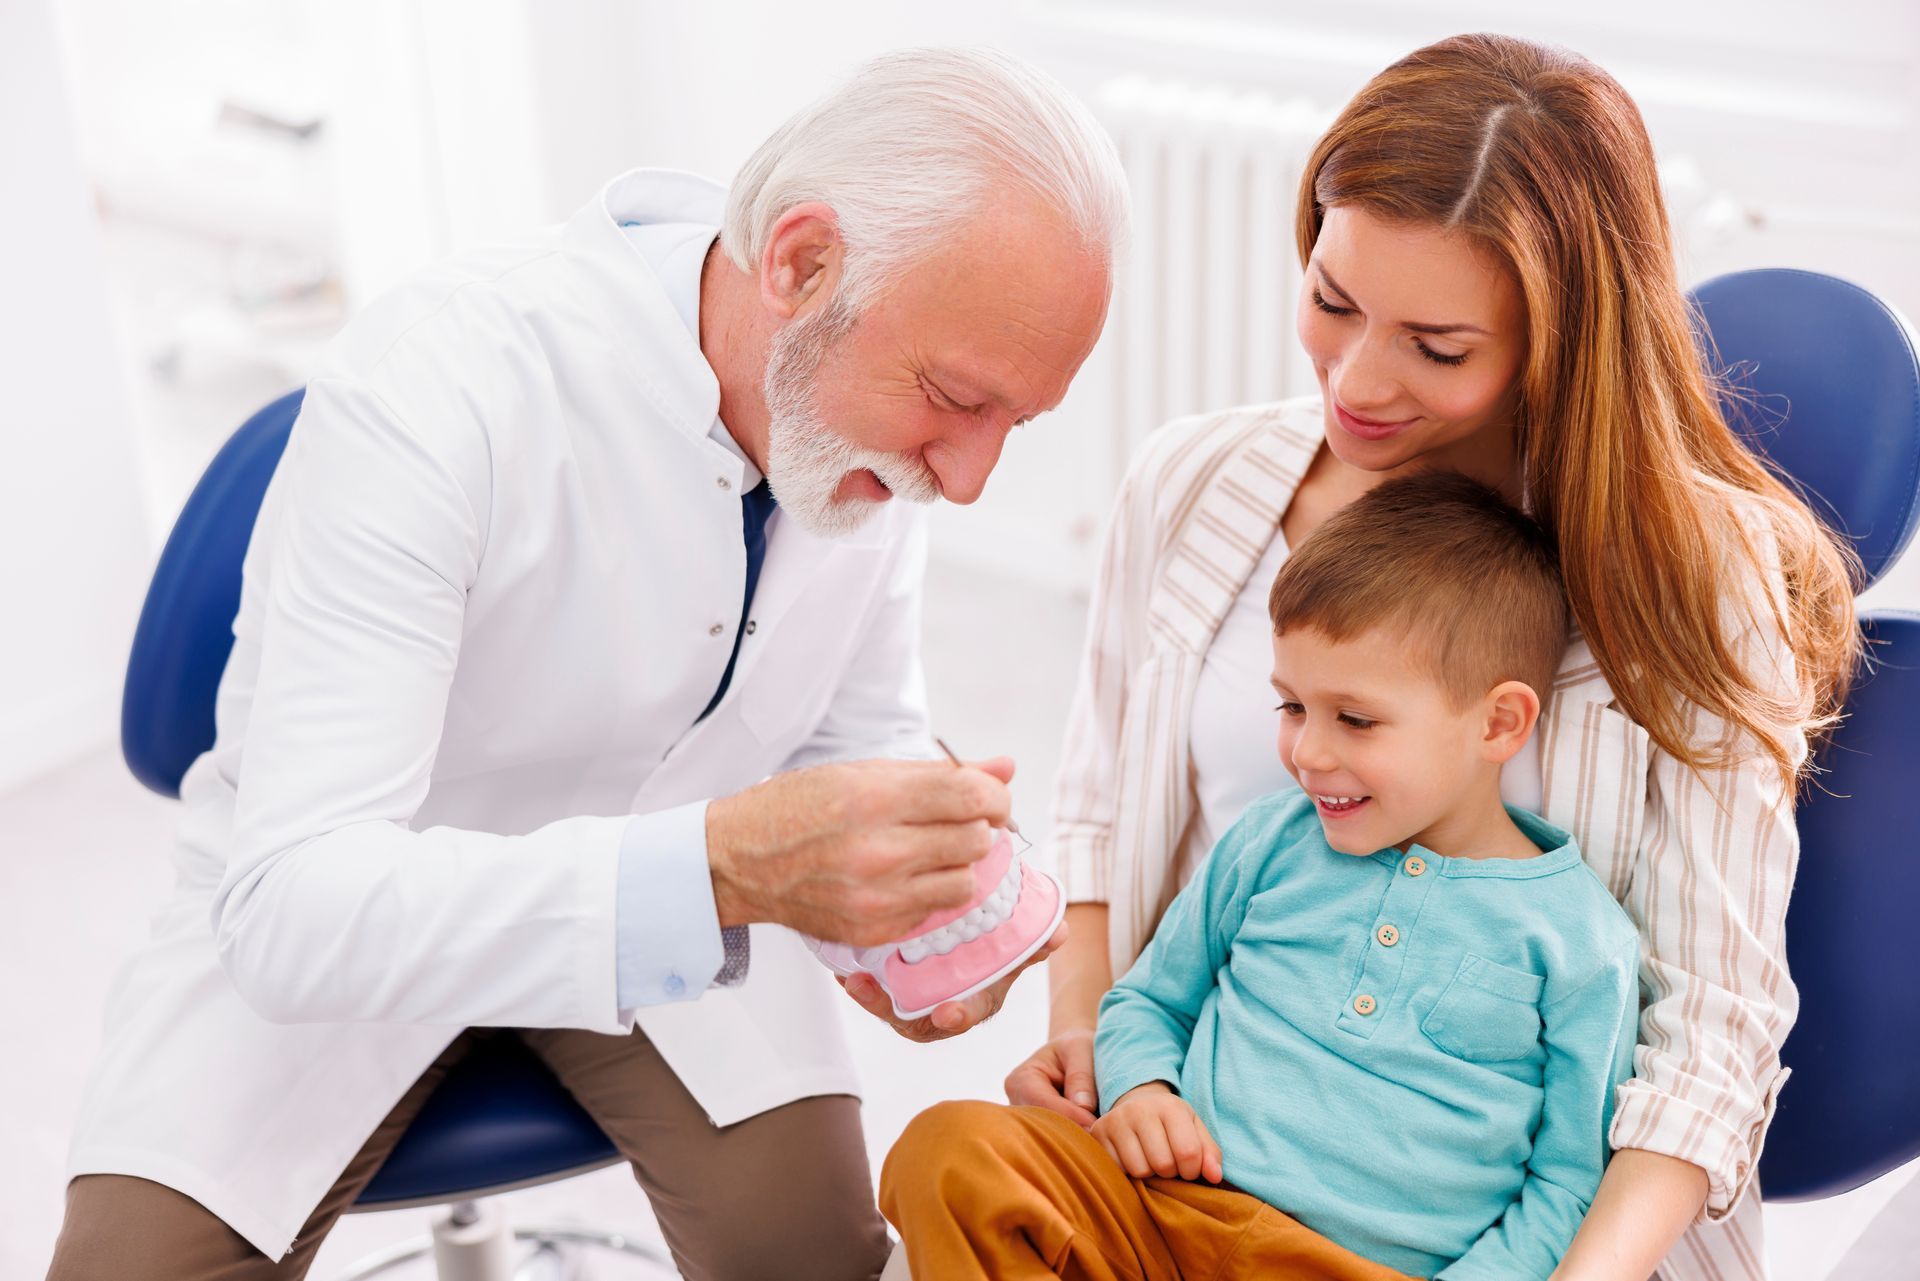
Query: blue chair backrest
column 185, row 632
column 1832, row 390
column 1832, row 397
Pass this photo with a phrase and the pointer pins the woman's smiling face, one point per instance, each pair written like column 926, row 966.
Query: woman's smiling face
column 1417, row 336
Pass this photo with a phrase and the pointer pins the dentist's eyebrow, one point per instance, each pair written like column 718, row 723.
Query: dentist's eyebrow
column 1418, row 327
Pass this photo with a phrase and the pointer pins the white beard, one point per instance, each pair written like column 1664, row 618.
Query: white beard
column 806, row 459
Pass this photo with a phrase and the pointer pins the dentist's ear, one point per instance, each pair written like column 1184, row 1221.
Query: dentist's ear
column 1512, row 710
column 802, row 259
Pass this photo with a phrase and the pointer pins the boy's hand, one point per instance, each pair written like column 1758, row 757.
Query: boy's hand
column 1151, row 1130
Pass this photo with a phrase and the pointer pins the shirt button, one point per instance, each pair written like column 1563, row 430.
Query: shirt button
column 675, row 985
column 1363, row 1004
column 717, row 628
column 1387, row 935
column 723, row 482
column 1415, row 865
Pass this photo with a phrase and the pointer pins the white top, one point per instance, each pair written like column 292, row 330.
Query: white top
column 1236, row 729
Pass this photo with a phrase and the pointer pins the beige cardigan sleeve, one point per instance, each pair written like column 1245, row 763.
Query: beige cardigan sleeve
column 1716, row 864
column 1158, row 490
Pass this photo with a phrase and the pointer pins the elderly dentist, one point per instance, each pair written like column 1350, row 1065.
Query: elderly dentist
column 492, row 662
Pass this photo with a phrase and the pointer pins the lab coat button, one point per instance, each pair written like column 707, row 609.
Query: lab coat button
column 723, row 482
column 1415, row 865
column 1387, row 935
column 752, row 627
column 716, row 629
column 675, row 985
column 1363, row 1004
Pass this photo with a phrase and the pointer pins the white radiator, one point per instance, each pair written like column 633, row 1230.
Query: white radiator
column 1203, row 317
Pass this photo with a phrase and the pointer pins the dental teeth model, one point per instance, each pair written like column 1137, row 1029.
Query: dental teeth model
column 1015, row 909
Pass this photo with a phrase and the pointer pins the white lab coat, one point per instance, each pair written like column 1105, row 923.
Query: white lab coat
column 475, row 633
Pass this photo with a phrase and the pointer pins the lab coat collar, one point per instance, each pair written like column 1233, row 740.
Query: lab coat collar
column 682, row 386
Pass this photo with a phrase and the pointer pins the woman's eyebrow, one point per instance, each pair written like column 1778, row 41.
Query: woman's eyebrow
column 1417, row 327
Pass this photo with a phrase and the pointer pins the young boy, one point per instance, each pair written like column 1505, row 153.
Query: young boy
column 1384, row 1021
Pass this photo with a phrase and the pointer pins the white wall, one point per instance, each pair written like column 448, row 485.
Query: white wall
column 73, row 551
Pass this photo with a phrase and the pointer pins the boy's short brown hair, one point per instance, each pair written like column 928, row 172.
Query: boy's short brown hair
column 1445, row 561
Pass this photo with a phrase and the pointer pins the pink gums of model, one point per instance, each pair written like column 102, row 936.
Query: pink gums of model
column 951, row 955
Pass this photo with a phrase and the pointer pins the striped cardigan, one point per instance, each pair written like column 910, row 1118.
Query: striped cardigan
column 1703, row 861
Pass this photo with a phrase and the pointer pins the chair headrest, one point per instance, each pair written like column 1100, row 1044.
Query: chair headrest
column 1828, row 389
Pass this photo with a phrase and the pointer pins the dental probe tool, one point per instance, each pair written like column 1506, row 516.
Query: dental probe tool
column 941, row 743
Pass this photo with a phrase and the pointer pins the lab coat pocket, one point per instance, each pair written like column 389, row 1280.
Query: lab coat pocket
column 1488, row 1013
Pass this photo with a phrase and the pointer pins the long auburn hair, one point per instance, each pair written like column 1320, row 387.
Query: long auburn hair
column 1699, row 579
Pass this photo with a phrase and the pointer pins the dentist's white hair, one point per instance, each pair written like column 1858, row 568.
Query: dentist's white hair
column 912, row 145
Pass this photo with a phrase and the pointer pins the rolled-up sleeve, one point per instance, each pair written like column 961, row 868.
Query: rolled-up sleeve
column 1085, row 794
column 1087, row 790
column 1718, row 855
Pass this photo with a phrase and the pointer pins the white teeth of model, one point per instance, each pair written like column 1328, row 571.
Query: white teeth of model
column 992, row 912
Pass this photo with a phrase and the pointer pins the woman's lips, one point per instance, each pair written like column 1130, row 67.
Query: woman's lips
column 1367, row 428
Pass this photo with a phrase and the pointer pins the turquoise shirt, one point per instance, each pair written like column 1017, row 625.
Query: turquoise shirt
column 1413, row 1055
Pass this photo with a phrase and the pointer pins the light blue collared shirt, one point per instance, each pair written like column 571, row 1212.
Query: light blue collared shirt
column 1413, row 1055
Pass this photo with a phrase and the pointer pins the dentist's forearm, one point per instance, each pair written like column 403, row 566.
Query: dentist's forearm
column 1079, row 974
column 1646, row 1200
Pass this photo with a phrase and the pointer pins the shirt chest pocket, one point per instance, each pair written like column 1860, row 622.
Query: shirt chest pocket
column 1488, row 1013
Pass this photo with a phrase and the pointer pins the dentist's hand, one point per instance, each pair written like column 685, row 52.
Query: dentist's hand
column 949, row 1018
column 855, row 853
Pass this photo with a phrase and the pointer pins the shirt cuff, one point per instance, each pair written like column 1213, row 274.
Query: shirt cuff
column 667, row 931
column 1649, row 1120
column 1080, row 862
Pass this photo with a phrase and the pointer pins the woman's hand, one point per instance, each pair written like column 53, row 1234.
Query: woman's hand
column 1151, row 1130
column 1058, row 1077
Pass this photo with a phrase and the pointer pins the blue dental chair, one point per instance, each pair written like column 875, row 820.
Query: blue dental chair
column 500, row 1121
column 1829, row 390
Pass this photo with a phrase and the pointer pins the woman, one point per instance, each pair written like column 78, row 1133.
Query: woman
column 1490, row 286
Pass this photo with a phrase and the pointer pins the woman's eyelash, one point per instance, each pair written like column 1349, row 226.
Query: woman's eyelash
column 1319, row 300
column 1437, row 358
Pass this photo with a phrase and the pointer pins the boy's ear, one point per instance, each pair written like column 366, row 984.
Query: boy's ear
column 1512, row 710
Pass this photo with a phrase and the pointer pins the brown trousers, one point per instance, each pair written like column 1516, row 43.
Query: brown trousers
column 784, row 1194
column 986, row 1190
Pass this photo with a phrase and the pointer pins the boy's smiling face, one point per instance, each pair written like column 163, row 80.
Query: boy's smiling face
column 1370, row 734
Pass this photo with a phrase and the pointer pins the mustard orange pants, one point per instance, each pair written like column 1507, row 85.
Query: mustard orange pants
column 986, row 1190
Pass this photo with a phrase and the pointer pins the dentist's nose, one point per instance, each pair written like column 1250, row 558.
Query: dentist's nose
column 966, row 459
